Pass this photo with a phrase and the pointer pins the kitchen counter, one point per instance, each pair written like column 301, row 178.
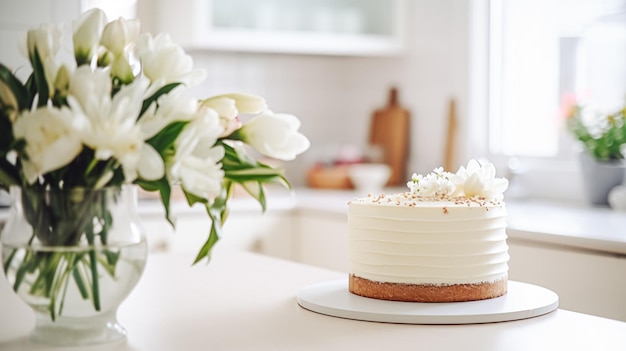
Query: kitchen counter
column 246, row 301
column 571, row 225
column 576, row 250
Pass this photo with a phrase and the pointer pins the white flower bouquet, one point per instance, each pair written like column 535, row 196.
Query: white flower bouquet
column 117, row 114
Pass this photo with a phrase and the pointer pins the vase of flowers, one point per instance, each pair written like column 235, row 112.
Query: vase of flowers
column 79, row 136
column 603, row 137
column 73, row 256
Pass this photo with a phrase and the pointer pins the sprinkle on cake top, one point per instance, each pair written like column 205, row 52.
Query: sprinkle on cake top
column 474, row 185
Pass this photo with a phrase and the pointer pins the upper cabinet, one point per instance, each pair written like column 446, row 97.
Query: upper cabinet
column 324, row 27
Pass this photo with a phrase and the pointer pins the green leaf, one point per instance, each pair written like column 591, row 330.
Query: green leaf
column 32, row 89
column 149, row 101
column 40, row 79
column 163, row 187
column 214, row 234
column 217, row 212
column 165, row 139
column 9, row 174
column 18, row 89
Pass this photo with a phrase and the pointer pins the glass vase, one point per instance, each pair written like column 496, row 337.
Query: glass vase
column 73, row 256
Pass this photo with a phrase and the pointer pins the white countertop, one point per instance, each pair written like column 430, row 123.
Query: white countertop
column 564, row 224
column 245, row 301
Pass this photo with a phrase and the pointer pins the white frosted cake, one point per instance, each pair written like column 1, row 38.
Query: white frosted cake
column 444, row 240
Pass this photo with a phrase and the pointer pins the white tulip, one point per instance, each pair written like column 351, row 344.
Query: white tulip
column 121, row 69
column 87, row 31
column 197, row 161
column 46, row 39
column 225, row 107
column 62, row 80
column 229, row 106
column 118, row 35
column 172, row 107
column 91, row 89
column 108, row 125
column 244, row 103
column 227, row 111
column 165, row 62
column 51, row 141
column 275, row 135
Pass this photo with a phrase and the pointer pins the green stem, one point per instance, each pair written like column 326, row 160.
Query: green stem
column 7, row 263
column 95, row 281
column 80, row 283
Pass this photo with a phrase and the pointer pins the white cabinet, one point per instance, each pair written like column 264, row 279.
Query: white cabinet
column 269, row 233
column 322, row 240
column 586, row 281
column 338, row 27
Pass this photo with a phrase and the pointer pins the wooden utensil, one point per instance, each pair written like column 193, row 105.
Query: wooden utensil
column 450, row 158
column 390, row 130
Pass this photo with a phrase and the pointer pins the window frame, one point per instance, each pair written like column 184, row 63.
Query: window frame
column 554, row 178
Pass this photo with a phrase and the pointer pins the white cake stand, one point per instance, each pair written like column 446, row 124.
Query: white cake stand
column 521, row 301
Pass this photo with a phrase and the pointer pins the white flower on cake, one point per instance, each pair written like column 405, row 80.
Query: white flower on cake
column 479, row 180
column 433, row 184
column 475, row 180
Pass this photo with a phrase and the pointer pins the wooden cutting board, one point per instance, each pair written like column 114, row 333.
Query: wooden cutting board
column 390, row 130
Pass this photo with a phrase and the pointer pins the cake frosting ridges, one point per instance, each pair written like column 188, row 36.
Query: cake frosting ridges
column 437, row 249
column 444, row 240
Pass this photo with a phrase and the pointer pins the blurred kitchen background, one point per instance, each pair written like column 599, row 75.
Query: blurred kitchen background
column 479, row 78
column 435, row 81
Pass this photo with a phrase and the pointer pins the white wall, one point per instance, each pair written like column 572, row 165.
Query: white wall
column 333, row 96
column 16, row 17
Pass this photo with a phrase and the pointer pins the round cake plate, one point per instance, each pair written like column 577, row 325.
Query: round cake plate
column 521, row 301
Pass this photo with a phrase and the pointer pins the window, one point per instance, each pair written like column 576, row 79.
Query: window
column 541, row 52
column 526, row 57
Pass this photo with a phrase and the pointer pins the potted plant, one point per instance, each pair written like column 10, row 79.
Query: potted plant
column 603, row 137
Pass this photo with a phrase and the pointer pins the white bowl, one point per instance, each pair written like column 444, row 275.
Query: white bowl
column 369, row 177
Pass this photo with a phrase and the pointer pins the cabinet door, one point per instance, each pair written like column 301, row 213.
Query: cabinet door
column 322, row 242
column 269, row 233
column 338, row 27
column 586, row 282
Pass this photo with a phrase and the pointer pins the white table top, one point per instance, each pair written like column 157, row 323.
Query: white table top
column 244, row 301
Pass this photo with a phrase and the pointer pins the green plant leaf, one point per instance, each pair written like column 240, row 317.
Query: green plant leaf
column 9, row 174
column 163, row 187
column 165, row 139
column 40, row 79
column 18, row 89
column 214, row 234
column 150, row 100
